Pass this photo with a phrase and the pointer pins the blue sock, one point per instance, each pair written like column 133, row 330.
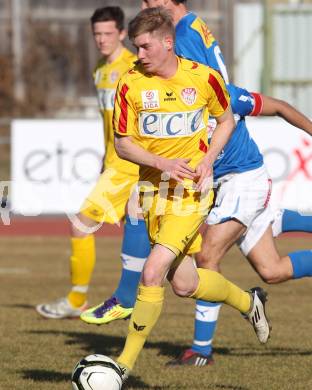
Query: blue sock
column 292, row 221
column 206, row 318
column 134, row 251
column 301, row 263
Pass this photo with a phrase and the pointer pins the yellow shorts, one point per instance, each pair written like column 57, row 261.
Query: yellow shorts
column 173, row 220
column 107, row 200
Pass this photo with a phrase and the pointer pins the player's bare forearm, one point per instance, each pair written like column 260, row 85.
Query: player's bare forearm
column 221, row 135
column 128, row 150
column 178, row 168
column 290, row 114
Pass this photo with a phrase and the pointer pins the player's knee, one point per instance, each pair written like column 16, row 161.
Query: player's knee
column 183, row 289
column 151, row 276
column 82, row 226
column 77, row 232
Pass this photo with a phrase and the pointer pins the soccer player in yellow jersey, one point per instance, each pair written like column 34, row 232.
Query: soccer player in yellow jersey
column 107, row 201
column 160, row 118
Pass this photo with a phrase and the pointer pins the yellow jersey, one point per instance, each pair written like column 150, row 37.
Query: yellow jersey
column 169, row 117
column 106, row 77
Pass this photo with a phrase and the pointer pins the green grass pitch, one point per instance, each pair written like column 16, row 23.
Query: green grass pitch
column 39, row 354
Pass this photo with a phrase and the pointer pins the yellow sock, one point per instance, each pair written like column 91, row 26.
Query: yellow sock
column 82, row 264
column 76, row 298
column 214, row 287
column 144, row 316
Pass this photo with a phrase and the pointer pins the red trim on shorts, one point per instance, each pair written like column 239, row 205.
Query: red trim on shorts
column 268, row 197
column 218, row 90
column 202, row 146
column 258, row 104
column 122, row 123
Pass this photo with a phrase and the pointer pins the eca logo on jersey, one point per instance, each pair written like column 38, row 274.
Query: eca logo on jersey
column 173, row 124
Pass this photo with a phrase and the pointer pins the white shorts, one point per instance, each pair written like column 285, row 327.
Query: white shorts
column 244, row 197
column 277, row 223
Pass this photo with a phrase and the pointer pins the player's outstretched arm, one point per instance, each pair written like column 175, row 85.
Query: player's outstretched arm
column 272, row 107
column 178, row 168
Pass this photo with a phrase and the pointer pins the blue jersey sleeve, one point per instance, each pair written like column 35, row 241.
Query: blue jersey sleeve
column 244, row 102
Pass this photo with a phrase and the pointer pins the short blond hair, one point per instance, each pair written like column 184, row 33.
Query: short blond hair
column 152, row 20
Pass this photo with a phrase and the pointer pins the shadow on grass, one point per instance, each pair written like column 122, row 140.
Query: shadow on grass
column 137, row 384
column 53, row 376
column 261, row 351
column 109, row 345
column 134, row 381
column 112, row 345
column 45, row 376
column 19, row 306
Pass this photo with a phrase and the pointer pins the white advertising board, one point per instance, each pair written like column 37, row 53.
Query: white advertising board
column 288, row 156
column 54, row 164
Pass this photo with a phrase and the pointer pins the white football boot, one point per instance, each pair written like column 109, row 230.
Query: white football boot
column 257, row 316
column 59, row 309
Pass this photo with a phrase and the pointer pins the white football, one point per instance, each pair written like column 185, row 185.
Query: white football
column 96, row 372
